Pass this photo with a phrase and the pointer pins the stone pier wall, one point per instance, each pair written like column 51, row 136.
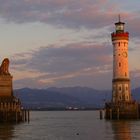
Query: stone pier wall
column 11, row 110
column 125, row 110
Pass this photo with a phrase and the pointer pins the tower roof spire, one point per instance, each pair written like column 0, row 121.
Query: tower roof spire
column 119, row 18
column 119, row 25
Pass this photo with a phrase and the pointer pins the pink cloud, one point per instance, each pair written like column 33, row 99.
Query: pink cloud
column 54, row 65
column 69, row 13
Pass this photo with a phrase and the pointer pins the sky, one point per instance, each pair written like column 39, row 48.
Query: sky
column 65, row 43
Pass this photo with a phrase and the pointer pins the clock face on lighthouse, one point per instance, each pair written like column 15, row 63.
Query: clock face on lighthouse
column 124, row 54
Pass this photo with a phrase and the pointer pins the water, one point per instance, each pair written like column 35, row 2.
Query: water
column 70, row 125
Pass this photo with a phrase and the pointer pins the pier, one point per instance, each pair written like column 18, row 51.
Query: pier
column 126, row 110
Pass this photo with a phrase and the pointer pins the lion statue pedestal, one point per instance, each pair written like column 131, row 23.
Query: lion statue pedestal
column 6, row 85
column 10, row 106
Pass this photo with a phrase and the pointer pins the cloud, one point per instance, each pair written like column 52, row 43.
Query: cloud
column 63, row 13
column 78, row 63
column 54, row 65
column 74, row 64
column 135, row 78
column 133, row 27
column 67, row 58
column 89, row 14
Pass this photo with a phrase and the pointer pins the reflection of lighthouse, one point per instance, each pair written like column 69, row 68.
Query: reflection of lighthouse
column 122, row 130
column 121, row 82
column 121, row 106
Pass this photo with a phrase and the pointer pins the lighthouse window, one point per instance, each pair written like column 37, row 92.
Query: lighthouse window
column 125, row 74
column 119, row 64
column 126, row 88
column 119, row 88
column 119, row 44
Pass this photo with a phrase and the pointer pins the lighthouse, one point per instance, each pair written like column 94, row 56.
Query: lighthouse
column 121, row 91
column 121, row 106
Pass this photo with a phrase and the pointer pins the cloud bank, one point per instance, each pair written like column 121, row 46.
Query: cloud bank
column 79, row 63
column 62, row 13
column 65, row 65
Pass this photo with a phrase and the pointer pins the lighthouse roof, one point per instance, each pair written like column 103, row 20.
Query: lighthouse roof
column 119, row 22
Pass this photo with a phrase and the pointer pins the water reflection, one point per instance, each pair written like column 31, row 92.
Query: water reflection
column 122, row 130
column 6, row 131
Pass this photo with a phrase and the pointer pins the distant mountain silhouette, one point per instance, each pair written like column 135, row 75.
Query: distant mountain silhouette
column 66, row 97
column 42, row 98
column 136, row 94
column 88, row 96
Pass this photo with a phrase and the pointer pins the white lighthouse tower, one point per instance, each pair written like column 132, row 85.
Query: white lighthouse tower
column 121, row 91
column 121, row 106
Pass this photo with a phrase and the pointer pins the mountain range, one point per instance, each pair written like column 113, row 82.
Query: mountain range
column 67, row 97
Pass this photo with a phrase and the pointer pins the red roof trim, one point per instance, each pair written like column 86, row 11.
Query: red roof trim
column 126, row 34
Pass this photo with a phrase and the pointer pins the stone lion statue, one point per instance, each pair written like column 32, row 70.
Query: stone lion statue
column 4, row 68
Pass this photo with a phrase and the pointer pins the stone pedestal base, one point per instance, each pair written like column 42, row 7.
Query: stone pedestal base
column 6, row 85
column 122, row 110
column 11, row 110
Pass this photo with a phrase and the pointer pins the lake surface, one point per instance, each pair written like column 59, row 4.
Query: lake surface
column 70, row 125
